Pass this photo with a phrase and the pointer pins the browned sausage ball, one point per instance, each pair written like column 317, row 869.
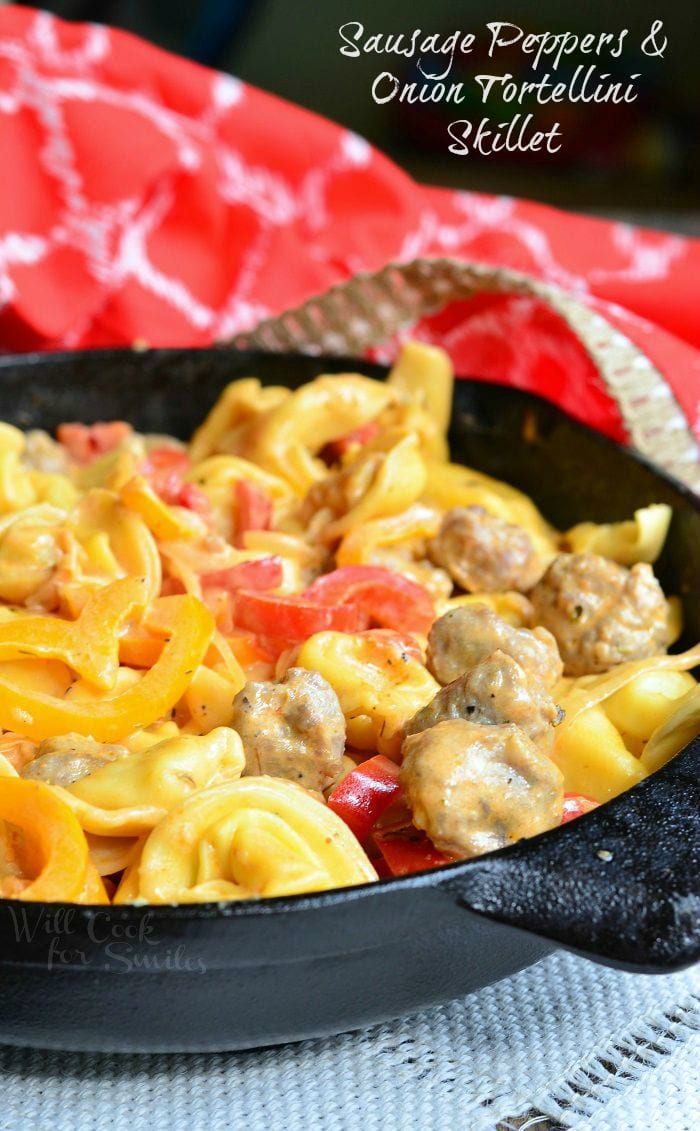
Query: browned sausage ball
column 70, row 757
column 601, row 613
column 475, row 788
column 292, row 729
column 465, row 636
column 484, row 554
column 496, row 691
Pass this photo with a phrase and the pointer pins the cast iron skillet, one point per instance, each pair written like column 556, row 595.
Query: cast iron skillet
column 226, row 977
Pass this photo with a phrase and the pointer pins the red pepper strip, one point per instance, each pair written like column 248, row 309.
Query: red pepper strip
column 389, row 599
column 263, row 573
column 254, row 509
column 165, row 469
column 193, row 498
column 292, row 618
column 408, row 850
column 575, row 805
column 359, row 436
column 362, row 796
column 85, row 442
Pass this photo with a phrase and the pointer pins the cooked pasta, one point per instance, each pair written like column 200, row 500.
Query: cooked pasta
column 306, row 651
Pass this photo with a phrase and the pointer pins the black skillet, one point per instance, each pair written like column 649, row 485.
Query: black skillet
column 620, row 886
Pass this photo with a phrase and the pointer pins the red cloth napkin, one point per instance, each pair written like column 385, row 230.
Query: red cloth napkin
column 145, row 197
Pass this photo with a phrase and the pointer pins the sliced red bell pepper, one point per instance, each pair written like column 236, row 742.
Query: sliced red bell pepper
column 193, row 498
column 254, row 509
column 362, row 796
column 85, row 442
column 262, row 573
column 389, row 599
column 359, row 436
column 292, row 618
column 575, row 805
column 165, row 469
column 408, row 850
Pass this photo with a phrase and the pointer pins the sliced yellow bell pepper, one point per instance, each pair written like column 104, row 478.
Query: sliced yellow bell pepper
column 89, row 645
column 165, row 523
column 53, row 838
column 39, row 716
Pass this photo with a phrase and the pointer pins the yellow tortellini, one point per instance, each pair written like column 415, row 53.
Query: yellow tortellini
column 285, row 441
column 132, row 794
column 378, row 684
column 246, row 839
column 386, row 484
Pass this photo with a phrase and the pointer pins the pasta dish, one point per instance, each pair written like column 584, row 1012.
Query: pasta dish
column 306, row 651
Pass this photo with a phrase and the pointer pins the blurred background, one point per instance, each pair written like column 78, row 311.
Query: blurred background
column 640, row 161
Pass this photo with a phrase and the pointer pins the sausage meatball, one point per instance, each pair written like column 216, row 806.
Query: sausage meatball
column 476, row 788
column 462, row 638
column 483, row 553
column 496, row 691
column 292, row 729
column 70, row 757
column 601, row 613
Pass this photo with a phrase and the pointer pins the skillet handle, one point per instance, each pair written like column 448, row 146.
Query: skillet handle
column 638, row 907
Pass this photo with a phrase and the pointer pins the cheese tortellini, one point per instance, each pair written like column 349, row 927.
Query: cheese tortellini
column 259, row 836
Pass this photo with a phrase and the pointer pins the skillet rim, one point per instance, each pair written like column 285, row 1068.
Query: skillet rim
column 276, row 905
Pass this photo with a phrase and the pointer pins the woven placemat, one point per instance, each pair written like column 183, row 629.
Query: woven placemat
column 565, row 1044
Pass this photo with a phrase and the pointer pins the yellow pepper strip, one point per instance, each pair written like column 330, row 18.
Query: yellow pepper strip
column 53, row 837
column 90, row 645
column 38, row 716
column 165, row 523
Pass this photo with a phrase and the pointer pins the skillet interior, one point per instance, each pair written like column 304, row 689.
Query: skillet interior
column 202, row 978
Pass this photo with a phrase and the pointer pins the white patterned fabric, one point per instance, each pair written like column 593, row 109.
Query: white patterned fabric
column 564, row 1045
